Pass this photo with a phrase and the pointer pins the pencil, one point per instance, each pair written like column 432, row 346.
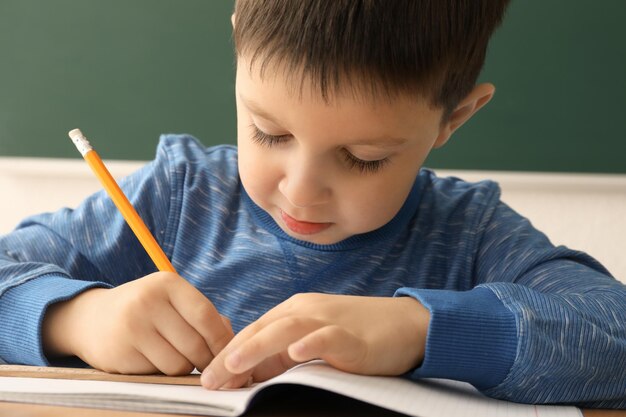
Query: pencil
column 89, row 374
column 121, row 202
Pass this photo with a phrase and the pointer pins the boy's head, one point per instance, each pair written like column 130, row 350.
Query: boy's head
column 339, row 102
column 432, row 49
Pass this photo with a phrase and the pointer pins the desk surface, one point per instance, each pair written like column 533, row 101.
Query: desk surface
column 331, row 407
column 301, row 402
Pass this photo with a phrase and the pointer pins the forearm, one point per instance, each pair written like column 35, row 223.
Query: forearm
column 570, row 315
column 23, row 308
column 552, row 348
column 572, row 339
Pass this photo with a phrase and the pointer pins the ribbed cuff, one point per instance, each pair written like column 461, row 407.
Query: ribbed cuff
column 472, row 336
column 22, row 309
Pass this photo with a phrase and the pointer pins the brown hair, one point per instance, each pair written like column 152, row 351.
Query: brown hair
column 430, row 48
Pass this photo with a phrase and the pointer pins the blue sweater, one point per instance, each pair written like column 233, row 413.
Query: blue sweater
column 513, row 315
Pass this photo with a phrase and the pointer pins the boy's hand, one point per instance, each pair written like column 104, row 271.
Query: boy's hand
column 159, row 323
column 365, row 335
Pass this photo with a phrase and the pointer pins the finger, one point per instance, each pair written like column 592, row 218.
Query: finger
column 335, row 345
column 214, row 375
column 162, row 354
column 239, row 381
column 271, row 340
column 226, row 322
column 245, row 355
column 129, row 363
column 273, row 366
column 202, row 315
column 184, row 338
column 215, row 371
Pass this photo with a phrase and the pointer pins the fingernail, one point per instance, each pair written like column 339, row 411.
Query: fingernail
column 208, row 379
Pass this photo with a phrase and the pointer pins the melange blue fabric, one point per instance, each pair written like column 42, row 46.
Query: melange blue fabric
column 515, row 316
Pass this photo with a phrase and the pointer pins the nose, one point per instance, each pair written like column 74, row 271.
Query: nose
column 304, row 184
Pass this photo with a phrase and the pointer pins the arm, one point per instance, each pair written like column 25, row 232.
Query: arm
column 147, row 323
column 543, row 324
column 50, row 258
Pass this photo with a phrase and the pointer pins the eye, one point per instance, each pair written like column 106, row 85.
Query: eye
column 265, row 139
column 365, row 167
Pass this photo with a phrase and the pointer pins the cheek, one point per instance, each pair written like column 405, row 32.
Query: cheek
column 383, row 197
column 258, row 179
column 374, row 205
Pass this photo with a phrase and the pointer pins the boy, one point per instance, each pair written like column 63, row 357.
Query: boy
column 320, row 236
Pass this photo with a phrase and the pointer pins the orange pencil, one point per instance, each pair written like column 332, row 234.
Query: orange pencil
column 117, row 195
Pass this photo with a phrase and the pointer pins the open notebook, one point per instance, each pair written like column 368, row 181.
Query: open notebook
column 427, row 398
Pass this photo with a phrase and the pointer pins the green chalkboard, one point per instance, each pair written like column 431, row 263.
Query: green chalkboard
column 126, row 71
column 123, row 71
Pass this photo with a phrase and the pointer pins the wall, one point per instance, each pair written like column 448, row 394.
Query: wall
column 126, row 71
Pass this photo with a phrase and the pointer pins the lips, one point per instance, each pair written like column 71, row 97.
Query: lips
column 301, row 227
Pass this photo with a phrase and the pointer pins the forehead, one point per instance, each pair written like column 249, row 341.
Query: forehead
column 301, row 83
column 273, row 96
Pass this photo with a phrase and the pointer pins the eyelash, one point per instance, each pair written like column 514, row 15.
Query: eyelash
column 264, row 139
column 365, row 167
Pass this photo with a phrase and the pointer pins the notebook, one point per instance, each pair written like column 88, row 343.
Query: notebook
column 425, row 398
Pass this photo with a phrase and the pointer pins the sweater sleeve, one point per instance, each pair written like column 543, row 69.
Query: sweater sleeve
column 53, row 257
column 542, row 324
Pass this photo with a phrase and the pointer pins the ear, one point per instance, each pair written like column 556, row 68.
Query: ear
column 477, row 98
column 232, row 20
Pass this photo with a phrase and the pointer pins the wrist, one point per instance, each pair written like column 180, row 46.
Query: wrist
column 472, row 336
column 61, row 324
column 418, row 319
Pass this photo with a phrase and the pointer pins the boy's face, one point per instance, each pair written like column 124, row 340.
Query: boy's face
column 328, row 171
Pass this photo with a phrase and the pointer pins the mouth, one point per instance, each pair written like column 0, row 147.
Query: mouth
column 301, row 227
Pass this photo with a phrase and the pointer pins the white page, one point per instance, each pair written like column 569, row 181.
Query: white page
column 124, row 395
column 428, row 398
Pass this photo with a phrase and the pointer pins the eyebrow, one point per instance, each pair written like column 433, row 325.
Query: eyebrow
column 386, row 142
